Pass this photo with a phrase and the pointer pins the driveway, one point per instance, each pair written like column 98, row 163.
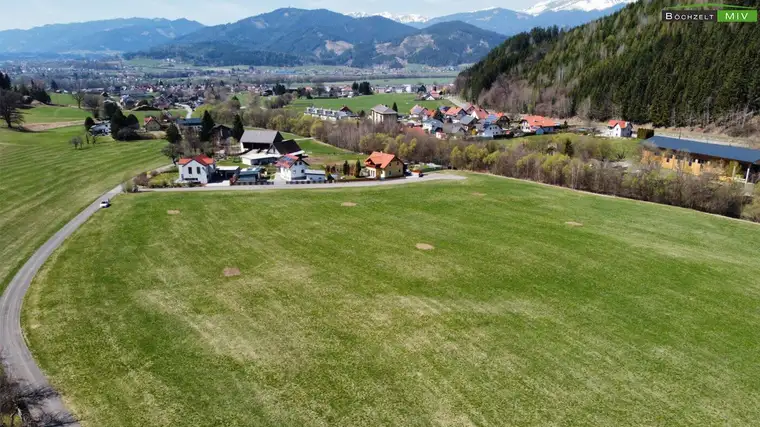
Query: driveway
column 189, row 110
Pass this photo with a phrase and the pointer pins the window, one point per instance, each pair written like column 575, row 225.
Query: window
column 190, row 170
column 198, row 169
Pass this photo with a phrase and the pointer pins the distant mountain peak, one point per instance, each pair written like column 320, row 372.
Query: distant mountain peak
column 404, row 19
column 585, row 5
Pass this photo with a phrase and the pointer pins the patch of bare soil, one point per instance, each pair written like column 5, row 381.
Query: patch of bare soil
column 574, row 224
column 231, row 271
column 348, row 204
column 424, row 247
column 39, row 127
column 172, row 212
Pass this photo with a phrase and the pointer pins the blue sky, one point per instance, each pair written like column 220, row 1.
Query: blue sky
column 213, row 12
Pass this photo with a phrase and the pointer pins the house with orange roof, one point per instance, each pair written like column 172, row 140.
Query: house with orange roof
column 538, row 125
column 152, row 124
column 383, row 165
column 619, row 129
column 198, row 169
column 454, row 114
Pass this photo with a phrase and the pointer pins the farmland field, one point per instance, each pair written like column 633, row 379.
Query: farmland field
column 53, row 114
column 44, row 182
column 404, row 102
column 532, row 305
column 62, row 99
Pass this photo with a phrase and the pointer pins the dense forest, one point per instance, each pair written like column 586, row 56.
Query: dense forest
column 629, row 65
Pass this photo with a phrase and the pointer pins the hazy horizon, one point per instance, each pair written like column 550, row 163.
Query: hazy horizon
column 47, row 12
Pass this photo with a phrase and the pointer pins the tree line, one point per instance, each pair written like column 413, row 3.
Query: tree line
column 629, row 65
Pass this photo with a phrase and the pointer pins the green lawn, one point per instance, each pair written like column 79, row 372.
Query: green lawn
column 321, row 154
column 62, row 99
column 644, row 315
column 53, row 114
column 44, row 183
column 405, row 102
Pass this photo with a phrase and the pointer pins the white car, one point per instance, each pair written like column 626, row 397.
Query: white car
column 105, row 203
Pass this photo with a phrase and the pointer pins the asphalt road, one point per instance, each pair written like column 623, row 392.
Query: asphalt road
column 17, row 358
column 280, row 185
column 188, row 109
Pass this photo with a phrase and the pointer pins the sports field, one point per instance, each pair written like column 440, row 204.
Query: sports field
column 44, row 182
column 483, row 302
column 404, row 101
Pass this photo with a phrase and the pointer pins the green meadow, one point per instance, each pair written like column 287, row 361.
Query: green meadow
column 404, row 101
column 484, row 302
column 44, row 182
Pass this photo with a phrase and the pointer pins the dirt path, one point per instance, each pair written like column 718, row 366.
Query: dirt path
column 40, row 127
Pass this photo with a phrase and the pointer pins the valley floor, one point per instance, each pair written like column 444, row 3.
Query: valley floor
column 477, row 302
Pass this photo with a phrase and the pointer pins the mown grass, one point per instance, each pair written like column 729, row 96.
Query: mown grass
column 44, row 182
column 62, row 98
column 644, row 315
column 405, row 102
column 53, row 114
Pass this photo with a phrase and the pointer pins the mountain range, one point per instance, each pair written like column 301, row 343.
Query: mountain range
column 631, row 65
column 290, row 36
column 113, row 35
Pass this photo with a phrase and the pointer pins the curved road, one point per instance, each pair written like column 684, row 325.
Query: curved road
column 188, row 109
column 18, row 360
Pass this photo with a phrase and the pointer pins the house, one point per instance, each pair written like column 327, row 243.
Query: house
column 432, row 126
column 383, row 165
column 152, row 124
column 491, row 130
column 251, row 176
column 195, row 124
column 292, row 168
column 198, row 169
column 418, row 112
column 700, row 157
column 619, row 129
column 221, row 132
column 259, row 139
column 454, row 114
column 383, row 114
column 452, row 130
column 332, row 115
column 538, row 125
column 272, row 152
column 479, row 113
column 468, row 121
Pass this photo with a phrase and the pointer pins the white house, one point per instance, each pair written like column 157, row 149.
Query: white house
column 198, row 169
column 292, row 167
column 619, row 129
column 491, row 130
column 538, row 125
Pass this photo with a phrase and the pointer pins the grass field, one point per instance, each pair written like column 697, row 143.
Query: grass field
column 44, row 182
column 53, row 114
column 323, row 154
column 405, row 102
column 643, row 315
column 62, row 99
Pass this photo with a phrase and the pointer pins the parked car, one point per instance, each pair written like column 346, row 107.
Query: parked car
column 105, row 203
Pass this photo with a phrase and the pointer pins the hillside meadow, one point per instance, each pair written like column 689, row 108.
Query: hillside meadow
column 44, row 182
column 404, row 101
column 485, row 302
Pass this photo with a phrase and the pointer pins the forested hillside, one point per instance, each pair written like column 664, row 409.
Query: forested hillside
column 628, row 65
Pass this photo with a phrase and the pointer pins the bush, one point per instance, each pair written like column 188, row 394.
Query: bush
column 127, row 134
column 644, row 133
column 142, row 180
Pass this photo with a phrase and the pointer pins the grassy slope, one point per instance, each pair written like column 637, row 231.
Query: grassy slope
column 405, row 102
column 44, row 182
column 52, row 114
column 646, row 315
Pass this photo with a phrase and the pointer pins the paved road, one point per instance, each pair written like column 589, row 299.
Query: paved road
column 280, row 185
column 188, row 109
column 15, row 354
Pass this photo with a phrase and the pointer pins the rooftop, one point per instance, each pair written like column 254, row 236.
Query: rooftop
column 728, row 152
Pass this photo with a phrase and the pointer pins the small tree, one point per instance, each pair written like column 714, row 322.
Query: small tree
column 117, row 122
column 132, row 122
column 78, row 98
column 394, row 107
column 53, row 85
column 358, row 169
column 237, row 128
column 76, row 142
column 346, row 168
column 9, row 108
column 109, row 109
column 173, row 135
column 88, row 123
column 93, row 103
column 172, row 151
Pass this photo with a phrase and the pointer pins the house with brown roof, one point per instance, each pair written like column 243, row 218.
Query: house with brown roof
column 292, row 167
column 384, row 165
column 198, row 169
column 538, row 125
column 619, row 129
column 152, row 124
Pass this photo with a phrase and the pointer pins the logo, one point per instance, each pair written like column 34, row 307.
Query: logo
column 716, row 13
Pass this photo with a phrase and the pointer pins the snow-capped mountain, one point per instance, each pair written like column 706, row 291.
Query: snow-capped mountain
column 404, row 19
column 585, row 5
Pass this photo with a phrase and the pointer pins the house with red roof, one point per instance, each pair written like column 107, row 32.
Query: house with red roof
column 619, row 129
column 454, row 114
column 538, row 125
column 293, row 168
column 152, row 124
column 384, row 165
column 200, row 169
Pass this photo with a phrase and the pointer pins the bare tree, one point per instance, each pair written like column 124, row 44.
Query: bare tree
column 93, row 103
column 9, row 108
column 78, row 96
column 24, row 405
